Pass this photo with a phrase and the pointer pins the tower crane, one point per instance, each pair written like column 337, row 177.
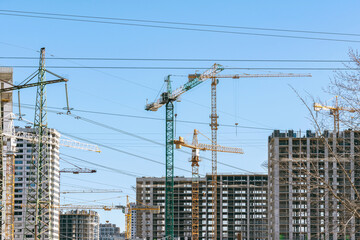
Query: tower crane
column 335, row 111
column 167, row 98
column 214, row 127
column 77, row 170
column 195, row 159
column 71, row 206
column 64, row 142
column 128, row 211
column 103, row 207
column 93, row 191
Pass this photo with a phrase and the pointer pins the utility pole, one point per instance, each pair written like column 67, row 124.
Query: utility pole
column 40, row 200
column 38, row 218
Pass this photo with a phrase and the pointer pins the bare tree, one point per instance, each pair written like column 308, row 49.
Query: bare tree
column 311, row 176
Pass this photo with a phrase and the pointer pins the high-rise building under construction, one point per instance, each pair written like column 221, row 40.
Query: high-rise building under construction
column 242, row 207
column 79, row 225
column 314, row 185
column 23, row 171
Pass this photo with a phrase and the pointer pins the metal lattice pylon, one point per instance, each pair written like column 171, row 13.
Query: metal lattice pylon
column 38, row 211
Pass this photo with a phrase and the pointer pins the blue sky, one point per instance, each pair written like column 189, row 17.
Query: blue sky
column 268, row 103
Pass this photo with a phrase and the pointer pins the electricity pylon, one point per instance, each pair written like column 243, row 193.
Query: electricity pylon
column 38, row 218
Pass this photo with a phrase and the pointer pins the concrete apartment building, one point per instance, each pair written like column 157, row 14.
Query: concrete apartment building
column 109, row 231
column 242, row 207
column 79, row 225
column 22, row 172
column 305, row 171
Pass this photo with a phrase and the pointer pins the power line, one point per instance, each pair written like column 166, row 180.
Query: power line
column 142, row 138
column 124, row 152
column 195, row 68
column 186, row 23
column 181, row 28
column 116, row 149
column 129, row 153
column 181, row 59
column 100, row 183
column 150, row 118
column 135, row 136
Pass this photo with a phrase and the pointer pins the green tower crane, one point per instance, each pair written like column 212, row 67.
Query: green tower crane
column 167, row 98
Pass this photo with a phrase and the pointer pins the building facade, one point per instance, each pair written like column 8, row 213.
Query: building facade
column 242, row 207
column 133, row 221
column 109, row 231
column 6, row 156
column 313, row 184
column 23, row 171
column 79, row 225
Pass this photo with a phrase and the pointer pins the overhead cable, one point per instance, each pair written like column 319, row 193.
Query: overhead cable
column 184, row 23
column 195, row 68
column 176, row 28
column 179, row 59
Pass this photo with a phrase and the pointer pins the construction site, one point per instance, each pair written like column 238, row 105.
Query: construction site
column 111, row 133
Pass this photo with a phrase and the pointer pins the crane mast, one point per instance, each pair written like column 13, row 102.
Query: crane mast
column 214, row 127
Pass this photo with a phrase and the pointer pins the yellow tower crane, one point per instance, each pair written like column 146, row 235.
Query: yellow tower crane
column 128, row 211
column 195, row 159
column 214, row 127
column 335, row 111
